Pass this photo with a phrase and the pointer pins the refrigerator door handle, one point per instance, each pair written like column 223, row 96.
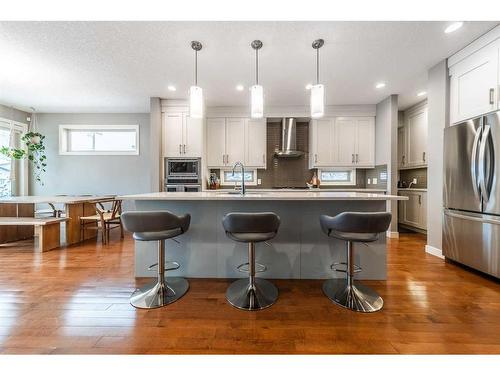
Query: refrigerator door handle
column 473, row 164
column 482, row 219
column 482, row 163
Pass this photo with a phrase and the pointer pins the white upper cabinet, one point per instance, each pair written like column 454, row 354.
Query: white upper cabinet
column 342, row 142
column 401, row 147
column 235, row 140
column 321, row 141
column 365, row 142
column 416, row 136
column 182, row 135
column 474, row 83
column 256, row 145
column 216, row 142
column 230, row 140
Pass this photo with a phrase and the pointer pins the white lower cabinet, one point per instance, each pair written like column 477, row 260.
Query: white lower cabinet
column 413, row 212
column 342, row 142
column 230, row 140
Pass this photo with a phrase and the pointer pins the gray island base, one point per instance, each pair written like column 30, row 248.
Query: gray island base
column 299, row 251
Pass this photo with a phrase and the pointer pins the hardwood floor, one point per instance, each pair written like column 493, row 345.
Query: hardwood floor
column 75, row 300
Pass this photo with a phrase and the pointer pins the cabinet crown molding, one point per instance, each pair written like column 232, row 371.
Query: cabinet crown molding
column 481, row 42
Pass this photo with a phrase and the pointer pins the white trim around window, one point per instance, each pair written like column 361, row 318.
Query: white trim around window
column 250, row 180
column 337, row 176
column 65, row 132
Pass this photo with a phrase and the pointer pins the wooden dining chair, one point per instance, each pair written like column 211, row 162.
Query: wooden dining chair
column 104, row 220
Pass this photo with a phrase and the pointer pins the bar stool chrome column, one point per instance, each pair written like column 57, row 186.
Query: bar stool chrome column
column 353, row 227
column 252, row 293
column 157, row 226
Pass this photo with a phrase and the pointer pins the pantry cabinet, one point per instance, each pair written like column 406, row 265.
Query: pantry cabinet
column 413, row 212
column 230, row 140
column 342, row 142
column 474, row 83
column 182, row 135
column 412, row 138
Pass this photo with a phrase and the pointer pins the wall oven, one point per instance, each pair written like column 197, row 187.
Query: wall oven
column 182, row 175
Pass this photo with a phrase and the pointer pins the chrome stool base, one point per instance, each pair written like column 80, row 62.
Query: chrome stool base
column 244, row 296
column 156, row 294
column 356, row 297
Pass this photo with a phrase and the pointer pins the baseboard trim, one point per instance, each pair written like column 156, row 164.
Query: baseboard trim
column 434, row 251
column 390, row 234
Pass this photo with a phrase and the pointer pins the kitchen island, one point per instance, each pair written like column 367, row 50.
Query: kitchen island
column 299, row 251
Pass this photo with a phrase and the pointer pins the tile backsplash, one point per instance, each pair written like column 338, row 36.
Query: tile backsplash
column 407, row 175
column 380, row 173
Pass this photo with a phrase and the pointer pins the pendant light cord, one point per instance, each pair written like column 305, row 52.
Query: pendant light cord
column 317, row 66
column 256, row 66
column 196, row 68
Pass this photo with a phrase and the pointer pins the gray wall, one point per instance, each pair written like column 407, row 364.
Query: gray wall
column 13, row 114
column 437, row 94
column 386, row 143
column 75, row 174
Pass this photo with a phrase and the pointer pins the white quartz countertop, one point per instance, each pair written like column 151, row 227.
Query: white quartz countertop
column 268, row 195
column 412, row 189
column 287, row 190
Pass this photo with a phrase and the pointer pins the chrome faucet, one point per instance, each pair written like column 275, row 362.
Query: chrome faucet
column 239, row 163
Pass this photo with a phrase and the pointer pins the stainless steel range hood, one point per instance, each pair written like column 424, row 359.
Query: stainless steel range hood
column 289, row 139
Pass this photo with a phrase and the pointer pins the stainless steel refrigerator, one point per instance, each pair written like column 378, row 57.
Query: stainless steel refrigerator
column 471, row 220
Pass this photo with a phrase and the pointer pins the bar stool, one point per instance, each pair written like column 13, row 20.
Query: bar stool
column 252, row 293
column 157, row 226
column 353, row 227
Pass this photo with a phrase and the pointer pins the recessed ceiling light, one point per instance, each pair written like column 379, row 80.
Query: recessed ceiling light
column 453, row 27
column 309, row 86
column 171, row 88
column 239, row 87
column 380, row 85
column 422, row 93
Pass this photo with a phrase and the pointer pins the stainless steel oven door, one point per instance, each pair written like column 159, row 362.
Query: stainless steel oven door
column 473, row 240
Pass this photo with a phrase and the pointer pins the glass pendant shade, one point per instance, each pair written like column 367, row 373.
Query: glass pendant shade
column 317, row 101
column 195, row 102
column 257, row 101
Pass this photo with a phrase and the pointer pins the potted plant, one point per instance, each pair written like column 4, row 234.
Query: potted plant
column 34, row 152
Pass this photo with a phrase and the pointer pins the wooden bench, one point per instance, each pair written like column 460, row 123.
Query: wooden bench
column 47, row 230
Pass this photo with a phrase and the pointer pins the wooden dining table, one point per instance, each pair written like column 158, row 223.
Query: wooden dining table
column 75, row 206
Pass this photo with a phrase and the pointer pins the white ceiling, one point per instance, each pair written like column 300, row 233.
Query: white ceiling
column 118, row 66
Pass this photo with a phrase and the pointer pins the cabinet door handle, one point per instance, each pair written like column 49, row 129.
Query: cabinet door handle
column 184, row 148
column 315, row 158
column 357, row 158
column 403, row 160
column 180, row 149
column 492, row 94
column 264, row 159
column 423, row 156
column 419, row 199
column 352, row 160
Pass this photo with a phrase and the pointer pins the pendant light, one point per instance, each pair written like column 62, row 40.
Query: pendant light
column 195, row 92
column 317, row 90
column 256, row 91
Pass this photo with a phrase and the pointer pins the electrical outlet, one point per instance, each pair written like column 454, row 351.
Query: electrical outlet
column 375, row 181
column 414, row 181
column 369, row 181
column 259, row 181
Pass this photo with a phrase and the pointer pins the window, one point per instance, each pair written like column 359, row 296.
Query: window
column 337, row 176
column 12, row 172
column 227, row 177
column 99, row 139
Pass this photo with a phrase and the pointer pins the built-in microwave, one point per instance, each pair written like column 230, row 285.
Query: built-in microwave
column 182, row 175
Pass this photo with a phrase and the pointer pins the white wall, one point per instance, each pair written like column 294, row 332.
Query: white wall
column 386, row 143
column 83, row 174
column 437, row 99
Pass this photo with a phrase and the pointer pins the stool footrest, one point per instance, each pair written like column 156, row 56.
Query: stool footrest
column 172, row 268
column 244, row 268
column 334, row 266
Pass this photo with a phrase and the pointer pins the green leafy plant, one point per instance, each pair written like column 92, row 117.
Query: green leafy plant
column 34, row 152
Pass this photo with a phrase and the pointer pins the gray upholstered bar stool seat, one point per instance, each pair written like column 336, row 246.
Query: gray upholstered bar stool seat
column 354, row 227
column 252, row 293
column 157, row 226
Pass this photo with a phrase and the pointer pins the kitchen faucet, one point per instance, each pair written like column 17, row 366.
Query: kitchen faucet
column 239, row 163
